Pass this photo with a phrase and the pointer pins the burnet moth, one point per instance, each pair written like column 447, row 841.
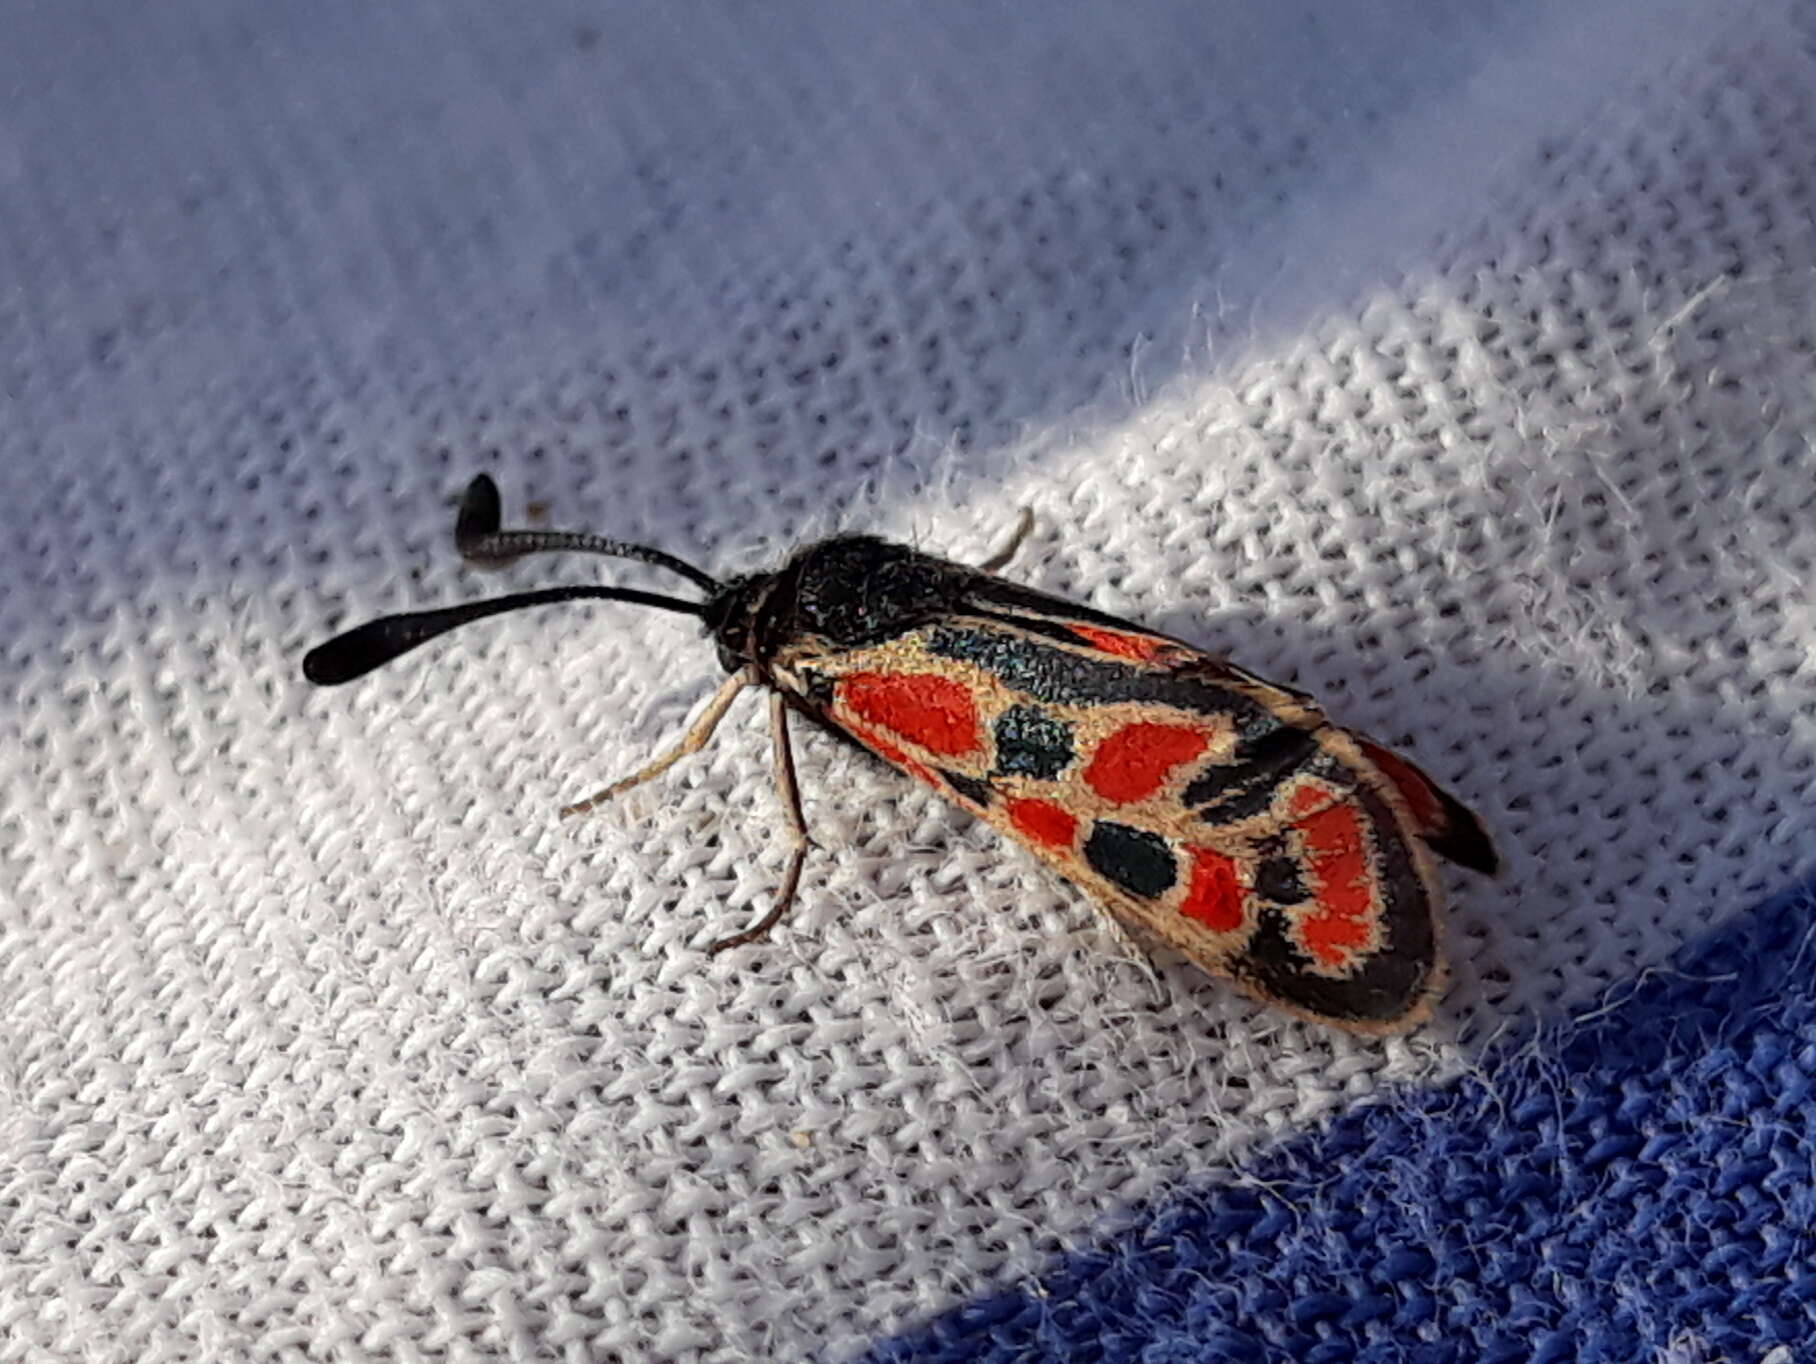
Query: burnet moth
column 1215, row 811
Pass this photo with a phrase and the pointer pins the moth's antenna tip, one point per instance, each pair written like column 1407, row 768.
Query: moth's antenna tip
column 481, row 513
column 330, row 664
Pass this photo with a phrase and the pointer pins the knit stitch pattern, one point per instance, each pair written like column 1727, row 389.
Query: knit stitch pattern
column 1453, row 364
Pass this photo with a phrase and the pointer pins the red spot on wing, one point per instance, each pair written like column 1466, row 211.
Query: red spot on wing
column 880, row 746
column 1042, row 822
column 1214, row 897
column 1132, row 763
column 935, row 712
column 1309, row 797
column 1335, row 843
column 1141, row 648
column 1414, row 786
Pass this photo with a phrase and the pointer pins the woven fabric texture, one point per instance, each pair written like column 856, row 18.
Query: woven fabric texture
column 1632, row 1185
column 1454, row 365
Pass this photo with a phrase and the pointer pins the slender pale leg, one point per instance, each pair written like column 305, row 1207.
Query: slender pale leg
column 789, row 791
column 692, row 742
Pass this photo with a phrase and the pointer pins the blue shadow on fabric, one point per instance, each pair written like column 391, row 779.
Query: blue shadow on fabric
column 1637, row 1184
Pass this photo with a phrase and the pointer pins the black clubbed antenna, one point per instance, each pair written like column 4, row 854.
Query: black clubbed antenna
column 478, row 537
column 377, row 642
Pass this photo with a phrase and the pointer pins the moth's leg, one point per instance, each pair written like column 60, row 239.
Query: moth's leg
column 693, row 741
column 789, row 790
column 1002, row 556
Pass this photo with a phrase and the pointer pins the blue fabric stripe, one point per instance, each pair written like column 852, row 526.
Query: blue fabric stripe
column 1637, row 1185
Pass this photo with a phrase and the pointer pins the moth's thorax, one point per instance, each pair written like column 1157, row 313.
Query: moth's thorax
column 847, row 592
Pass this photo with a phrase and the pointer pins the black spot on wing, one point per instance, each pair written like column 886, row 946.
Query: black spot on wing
column 1277, row 879
column 1275, row 749
column 1138, row 861
column 1032, row 743
column 973, row 790
column 1237, row 797
column 1266, row 754
column 1381, row 988
column 1066, row 677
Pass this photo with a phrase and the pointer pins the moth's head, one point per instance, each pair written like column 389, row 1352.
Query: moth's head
column 730, row 617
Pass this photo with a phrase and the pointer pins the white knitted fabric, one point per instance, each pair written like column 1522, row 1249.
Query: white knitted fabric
column 1452, row 362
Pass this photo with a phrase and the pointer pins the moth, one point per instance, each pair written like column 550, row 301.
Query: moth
column 1194, row 801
